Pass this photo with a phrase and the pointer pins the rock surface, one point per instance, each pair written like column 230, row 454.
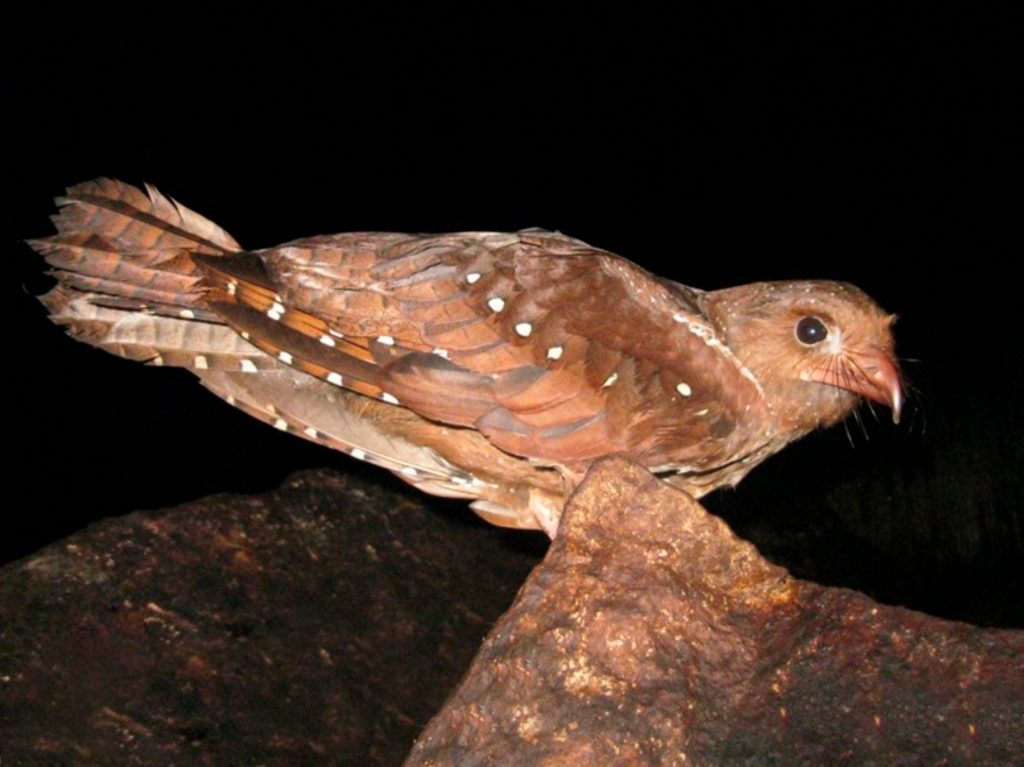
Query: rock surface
column 651, row 635
column 322, row 623
column 325, row 622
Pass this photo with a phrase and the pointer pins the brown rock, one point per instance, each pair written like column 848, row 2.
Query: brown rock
column 651, row 635
column 322, row 623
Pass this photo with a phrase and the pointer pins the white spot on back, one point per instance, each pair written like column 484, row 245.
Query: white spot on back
column 247, row 366
column 281, row 424
column 187, row 314
column 684, row 388
column 327, row 340
column 335, row 379
column 496, row 304
column 472, row 277
column 389, row 398
column 386, row 340
column 524, row 329
column 200, row 362
column 555, row 352
column 610, row 380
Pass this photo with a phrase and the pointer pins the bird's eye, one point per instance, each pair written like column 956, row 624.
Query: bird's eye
column 810, row 331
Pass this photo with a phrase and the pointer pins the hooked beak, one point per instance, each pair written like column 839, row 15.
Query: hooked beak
column 872, row 373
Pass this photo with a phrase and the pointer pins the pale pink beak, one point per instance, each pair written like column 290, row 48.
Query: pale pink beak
column 872, row 373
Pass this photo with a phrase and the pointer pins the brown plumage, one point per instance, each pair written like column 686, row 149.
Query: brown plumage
column 493, row 367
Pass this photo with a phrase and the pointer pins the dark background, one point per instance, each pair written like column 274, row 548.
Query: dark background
column 874, row 147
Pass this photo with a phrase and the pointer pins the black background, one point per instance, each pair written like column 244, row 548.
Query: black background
column 874, row 147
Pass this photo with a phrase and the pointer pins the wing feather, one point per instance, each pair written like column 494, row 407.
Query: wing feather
column 553, row 349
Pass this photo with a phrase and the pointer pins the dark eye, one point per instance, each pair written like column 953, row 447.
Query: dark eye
column 810, row 331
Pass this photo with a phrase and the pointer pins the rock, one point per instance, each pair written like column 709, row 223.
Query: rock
column 322, row 623
column 651, row 635
column 325, row 622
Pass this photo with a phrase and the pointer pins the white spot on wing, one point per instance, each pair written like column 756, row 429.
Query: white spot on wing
column 524, row 329
column 230, row 399
column 187, row 314
column 232, row 288
column 472, row 277
column 386, row 340
column 327, row 340
column 247, row 366
column 201, row 363
column 440, row 352
column 334, row 378
column 684, row 388
column 496, row 304
column 610, row 380
column 158, row 360
column 357, row 453
column 389, row 398
column 555, row 353
column 335, row 333
column 285, row 357
column 310, row 432
column 409, row 471
column 281, row 424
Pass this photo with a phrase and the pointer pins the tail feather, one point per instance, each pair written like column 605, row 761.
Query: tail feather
column 150, row 338
column 116, row 240
column 128, row 282
column 90, row 255
column 136, row 222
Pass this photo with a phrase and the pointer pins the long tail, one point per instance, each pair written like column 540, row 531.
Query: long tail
column 127, row 281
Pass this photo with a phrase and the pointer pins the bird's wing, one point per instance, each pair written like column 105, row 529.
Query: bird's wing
column 552, row 349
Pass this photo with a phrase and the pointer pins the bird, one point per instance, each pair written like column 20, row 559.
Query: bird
column 493, row 367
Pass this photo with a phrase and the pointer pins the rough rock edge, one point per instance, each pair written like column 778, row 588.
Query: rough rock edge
column 651, row 635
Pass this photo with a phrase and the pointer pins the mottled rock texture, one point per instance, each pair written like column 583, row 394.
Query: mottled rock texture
column 327, row 621
column 650, row 635
column 322, row 623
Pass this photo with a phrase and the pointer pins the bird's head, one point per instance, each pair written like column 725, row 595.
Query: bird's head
column 816, row 347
